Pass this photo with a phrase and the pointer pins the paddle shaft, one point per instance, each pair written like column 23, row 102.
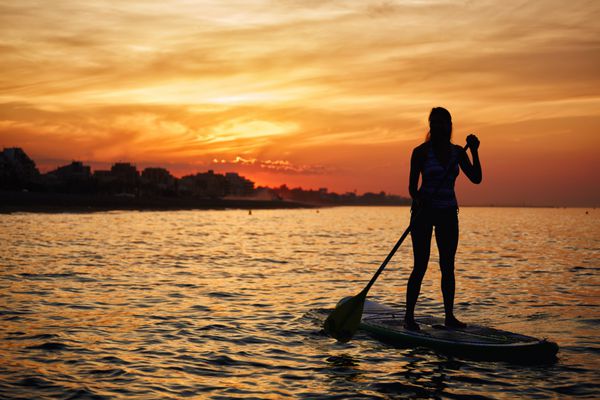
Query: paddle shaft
column 404, row 235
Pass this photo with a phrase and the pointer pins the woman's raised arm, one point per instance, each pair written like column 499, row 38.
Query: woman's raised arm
column 472, row 170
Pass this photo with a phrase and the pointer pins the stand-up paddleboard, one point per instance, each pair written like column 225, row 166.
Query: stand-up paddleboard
column 386, row 324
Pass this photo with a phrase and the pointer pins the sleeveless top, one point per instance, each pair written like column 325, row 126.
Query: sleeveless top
column 432, row 175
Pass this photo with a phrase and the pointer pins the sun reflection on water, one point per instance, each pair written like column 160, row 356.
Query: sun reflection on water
column 223, row 303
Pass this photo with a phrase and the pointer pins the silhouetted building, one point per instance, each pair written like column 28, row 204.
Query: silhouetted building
column 75, row 171
column 127, row 177
column 238, row 185
column 17, row 170
column 6, row 175
column 74, row 177
column 103, row 174
column 125, row 172
column 158, row 181
column 123, row 178
column 105, row 181
column 204, row 185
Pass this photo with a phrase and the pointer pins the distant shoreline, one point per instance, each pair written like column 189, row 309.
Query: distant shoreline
column 60, row 202
column 36, row 202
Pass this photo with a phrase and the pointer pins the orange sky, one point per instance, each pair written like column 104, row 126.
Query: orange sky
column 315, row 93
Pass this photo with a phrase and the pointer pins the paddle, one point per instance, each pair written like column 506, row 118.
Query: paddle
column 344, row 320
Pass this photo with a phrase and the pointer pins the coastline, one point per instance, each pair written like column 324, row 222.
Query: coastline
column 40, row 202
column 11, row 201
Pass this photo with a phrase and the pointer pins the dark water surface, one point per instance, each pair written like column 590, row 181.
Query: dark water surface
column 222, row 304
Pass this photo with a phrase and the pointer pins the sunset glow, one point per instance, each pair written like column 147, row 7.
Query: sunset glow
column 310, row 93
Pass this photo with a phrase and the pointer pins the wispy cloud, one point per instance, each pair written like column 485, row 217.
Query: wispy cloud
column 315, row 83
column 277, row 166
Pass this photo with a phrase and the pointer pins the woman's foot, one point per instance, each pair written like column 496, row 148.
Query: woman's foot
column 411, row 325
column 452, row 322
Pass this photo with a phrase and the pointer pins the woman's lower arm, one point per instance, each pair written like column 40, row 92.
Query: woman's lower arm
column 476, row 166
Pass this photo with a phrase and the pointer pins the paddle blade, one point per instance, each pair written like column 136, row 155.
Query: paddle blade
column 344, row 320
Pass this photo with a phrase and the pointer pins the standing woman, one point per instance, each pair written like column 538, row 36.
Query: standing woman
column 437, row 161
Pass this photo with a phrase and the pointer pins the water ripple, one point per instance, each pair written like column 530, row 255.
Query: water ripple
column 213, row 304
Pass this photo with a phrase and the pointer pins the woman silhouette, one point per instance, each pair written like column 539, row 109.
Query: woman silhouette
column 435, row 206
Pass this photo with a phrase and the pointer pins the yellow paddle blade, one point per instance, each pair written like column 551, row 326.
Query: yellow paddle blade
column 344, row 320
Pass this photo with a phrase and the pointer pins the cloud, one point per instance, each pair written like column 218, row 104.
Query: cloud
column 266, row 54
column 276, row 166
column 316, row 84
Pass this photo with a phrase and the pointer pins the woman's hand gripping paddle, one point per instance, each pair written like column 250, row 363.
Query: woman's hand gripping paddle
column 344, row 320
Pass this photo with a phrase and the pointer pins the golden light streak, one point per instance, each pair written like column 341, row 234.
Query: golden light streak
column 339, row 90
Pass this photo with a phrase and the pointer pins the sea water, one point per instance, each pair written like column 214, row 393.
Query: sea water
column 224, row 304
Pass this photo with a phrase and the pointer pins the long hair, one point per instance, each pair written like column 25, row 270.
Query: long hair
column 441, row 129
